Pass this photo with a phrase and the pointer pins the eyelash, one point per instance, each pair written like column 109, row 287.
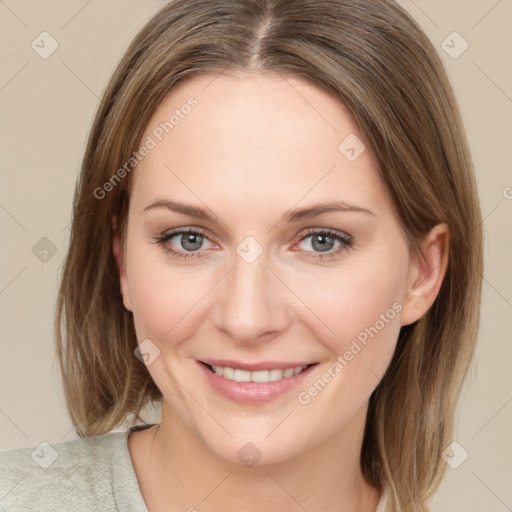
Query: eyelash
column 346, row 242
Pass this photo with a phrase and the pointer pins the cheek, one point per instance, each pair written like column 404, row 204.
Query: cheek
column 356, row 309
column 363, row 309
column 357, row 297
column 165, row 299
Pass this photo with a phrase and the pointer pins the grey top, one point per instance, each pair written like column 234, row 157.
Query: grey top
column 91, row 473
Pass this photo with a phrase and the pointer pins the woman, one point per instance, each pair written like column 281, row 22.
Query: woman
column 276, row 233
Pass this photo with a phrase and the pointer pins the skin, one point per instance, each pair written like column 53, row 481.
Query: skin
column 255, row 147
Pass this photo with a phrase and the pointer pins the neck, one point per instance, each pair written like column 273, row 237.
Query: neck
column 177, row 468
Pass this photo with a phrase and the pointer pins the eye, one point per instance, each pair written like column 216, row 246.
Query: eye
column 324, row 241
column 190, row 241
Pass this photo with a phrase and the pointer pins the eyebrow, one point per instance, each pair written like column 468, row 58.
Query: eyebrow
column 294, row 215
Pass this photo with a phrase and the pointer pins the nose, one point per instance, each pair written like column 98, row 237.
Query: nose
column 253, row 303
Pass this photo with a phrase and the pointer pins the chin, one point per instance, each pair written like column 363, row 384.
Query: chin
column 255, row 450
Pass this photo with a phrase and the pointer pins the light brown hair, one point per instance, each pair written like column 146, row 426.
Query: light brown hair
column 371, row 56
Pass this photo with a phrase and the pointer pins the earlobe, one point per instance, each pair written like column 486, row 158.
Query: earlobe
column 119, row 257
column 426, row 274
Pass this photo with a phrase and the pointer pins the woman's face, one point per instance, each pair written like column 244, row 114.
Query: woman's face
column 294, row 258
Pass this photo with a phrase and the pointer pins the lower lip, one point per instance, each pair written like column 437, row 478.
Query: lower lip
column 254, row 392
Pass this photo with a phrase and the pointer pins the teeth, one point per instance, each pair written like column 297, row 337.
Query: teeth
column 242, row 376
column 288, row 372
column 259, row 376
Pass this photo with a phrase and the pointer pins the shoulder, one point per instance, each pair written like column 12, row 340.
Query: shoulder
column 82, row 474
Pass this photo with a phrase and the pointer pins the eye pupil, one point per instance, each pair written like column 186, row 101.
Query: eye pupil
column 195, row 240
column 321, row 239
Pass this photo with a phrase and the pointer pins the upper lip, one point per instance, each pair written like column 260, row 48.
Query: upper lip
column 254, row 367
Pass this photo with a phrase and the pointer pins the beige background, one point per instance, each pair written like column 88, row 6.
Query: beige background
column 47, row 107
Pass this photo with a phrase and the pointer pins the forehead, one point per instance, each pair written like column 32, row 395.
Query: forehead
column 260, row 137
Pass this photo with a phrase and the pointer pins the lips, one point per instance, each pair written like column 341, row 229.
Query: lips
column 261, row 390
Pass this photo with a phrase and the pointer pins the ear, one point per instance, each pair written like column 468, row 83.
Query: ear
column 117, row 249
column 426, row 274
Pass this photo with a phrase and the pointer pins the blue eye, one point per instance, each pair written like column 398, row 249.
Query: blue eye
column 191, row 241
column 324, row 240
column 323, row 243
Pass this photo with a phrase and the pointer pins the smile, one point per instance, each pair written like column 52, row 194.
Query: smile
column 257, row 385
column 260, row 376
